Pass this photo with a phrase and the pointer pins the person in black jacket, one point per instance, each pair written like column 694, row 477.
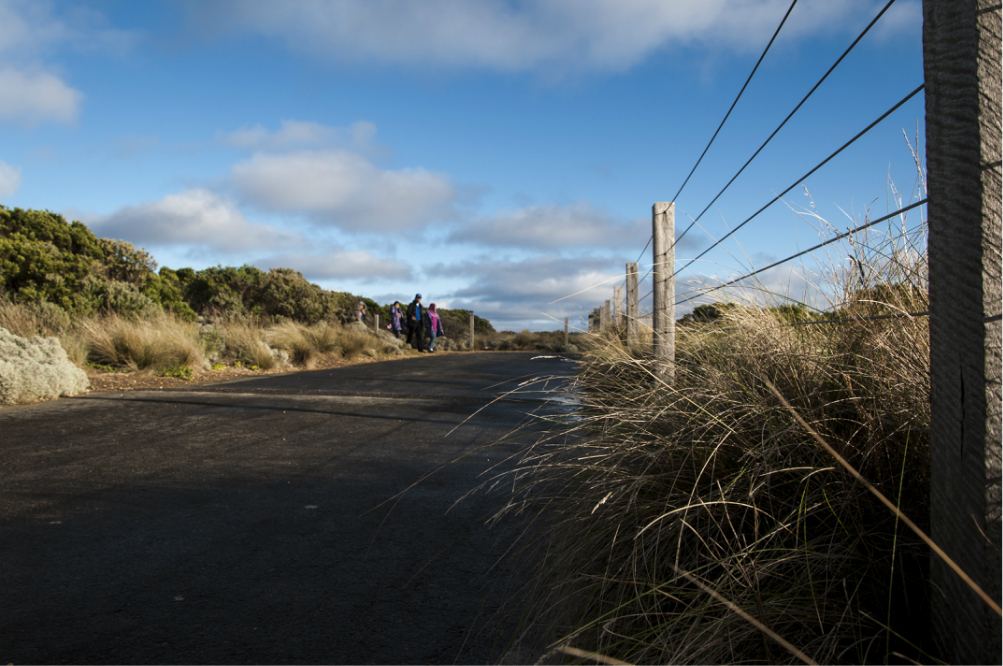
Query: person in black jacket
column 415, row 324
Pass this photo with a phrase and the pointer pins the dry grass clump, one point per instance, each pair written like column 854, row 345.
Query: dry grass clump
column 295, row 340
column 325, row 337
column 699, row 522
column 151, row 344
column 27, row 320
column 245, row 343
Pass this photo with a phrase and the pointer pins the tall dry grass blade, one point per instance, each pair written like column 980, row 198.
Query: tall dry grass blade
column 884, row 500
column 594, row 656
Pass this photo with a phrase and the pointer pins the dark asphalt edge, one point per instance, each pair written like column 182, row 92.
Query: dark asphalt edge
column 326, row 394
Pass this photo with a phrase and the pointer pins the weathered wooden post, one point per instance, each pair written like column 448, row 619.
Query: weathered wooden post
column 618, row 307
column 961, row 62
column 632, row 313
column 663, row 223
column 376, row 322
column 607, row 315
column 565, row 331
column 471, row 332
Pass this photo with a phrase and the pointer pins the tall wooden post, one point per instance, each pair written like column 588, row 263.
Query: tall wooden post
column 632, row 313
column 663, row 223
column 376, row 322
column 471, row 332
column 565, row 331
column 618, row 307
column 607, row 316
column 961, row 62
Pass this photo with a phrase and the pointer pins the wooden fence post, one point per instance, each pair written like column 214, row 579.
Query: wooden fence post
column 607, row 315
column 663, row 223
column 632, row 313
column 618, row 307
column 961, row 62
column 376, row 322
column 565, row 331
column 472, row 333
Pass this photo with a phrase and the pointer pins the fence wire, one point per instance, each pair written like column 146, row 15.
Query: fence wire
column 789, row 116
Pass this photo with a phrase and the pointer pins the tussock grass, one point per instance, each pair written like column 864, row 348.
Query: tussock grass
column 152, row 344
column 295, row 340
column 245, row 343
column 27, row 320
column 700, row 522
column 355, row 343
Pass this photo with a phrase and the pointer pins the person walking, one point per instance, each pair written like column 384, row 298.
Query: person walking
column 415, row 323
column 396, row 319
column 360, row 312
column 434, row 326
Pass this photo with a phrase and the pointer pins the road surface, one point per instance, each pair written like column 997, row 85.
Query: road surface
column 301, row 518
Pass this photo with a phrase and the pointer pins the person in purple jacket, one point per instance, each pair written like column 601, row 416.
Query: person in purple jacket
column 434, row 326
column 396, row 319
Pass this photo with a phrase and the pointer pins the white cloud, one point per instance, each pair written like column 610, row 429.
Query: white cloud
column 31, row 98
column 298, row 134
column 30, row 32
column 552, row 227
column 10, row 179
column 341, row 264
column 548, row 35
column 532, row 292
column 343, row 189
column 195, row 218
column 30, row 28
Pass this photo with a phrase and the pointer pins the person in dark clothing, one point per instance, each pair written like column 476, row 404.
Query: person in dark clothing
column 415, row 324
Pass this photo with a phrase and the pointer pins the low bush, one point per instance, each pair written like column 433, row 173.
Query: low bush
column 33, row 369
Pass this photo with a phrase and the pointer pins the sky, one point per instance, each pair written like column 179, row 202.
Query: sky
column 501, row 156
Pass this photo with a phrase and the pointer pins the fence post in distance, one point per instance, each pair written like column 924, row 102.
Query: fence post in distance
column 471, row 332
column 618, row 307
column 565, row 331
column 632, row 323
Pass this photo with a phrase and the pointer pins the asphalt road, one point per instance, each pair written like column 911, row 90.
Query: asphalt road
column 285, row 519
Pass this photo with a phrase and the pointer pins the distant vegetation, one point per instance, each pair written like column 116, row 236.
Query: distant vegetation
column 112, row 310
column 46, row 260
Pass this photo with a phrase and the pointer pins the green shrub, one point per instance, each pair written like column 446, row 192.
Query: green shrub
column 178, row 371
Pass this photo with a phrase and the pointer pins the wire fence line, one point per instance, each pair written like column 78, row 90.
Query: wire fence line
column 812, row 249
column 802, row 178
column 693, row 294
column 789, row 116
column 738, row 97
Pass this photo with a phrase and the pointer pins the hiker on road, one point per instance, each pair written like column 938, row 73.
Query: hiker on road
column 415, row 323
column 434, row 324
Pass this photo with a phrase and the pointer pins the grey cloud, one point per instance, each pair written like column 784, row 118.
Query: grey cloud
column 550, row 35
column 343, row 189
column 300, row 134
column 340, row 263
column 551, row 227
column 31, row 97
column 196, row 218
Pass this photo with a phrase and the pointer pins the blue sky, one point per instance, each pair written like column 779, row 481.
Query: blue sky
column 495, row 155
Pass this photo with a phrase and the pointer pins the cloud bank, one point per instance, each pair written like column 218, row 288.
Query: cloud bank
column 343, row 189
column 194, row 218
column 515, row 36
